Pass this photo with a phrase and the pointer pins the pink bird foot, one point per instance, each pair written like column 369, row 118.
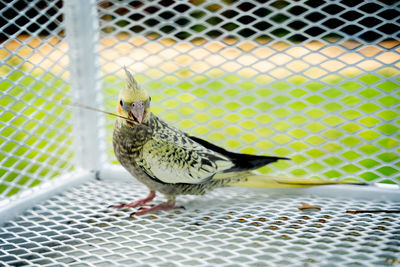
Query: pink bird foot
column 137, row 203
column 169, row 205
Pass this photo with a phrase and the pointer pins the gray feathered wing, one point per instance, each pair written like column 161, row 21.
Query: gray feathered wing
column 171, row 156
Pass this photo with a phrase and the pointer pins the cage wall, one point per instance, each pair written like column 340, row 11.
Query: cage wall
column 35, row 128
column 316, row 81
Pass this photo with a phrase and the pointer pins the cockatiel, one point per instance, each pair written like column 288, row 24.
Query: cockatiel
column 174, row 163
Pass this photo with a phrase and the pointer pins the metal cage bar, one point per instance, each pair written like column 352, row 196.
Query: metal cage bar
column 82, row 27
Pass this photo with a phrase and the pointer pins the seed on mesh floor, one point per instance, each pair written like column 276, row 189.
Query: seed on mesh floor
column 305, row 206
column 317, row 225
column 372, row 211
column 392, row 261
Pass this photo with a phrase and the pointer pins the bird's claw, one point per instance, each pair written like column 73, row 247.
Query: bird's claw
column 134, row 204
column 161, row 206
column 146, row 207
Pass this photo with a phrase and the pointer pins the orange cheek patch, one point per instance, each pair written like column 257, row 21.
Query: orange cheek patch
column 119, row 109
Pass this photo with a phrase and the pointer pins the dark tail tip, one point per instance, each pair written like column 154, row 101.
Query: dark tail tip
column 251, row 162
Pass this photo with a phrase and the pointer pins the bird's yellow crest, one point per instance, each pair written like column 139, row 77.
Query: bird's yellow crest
column 132, row 91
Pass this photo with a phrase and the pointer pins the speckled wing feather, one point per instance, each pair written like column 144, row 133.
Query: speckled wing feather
column 171, row 156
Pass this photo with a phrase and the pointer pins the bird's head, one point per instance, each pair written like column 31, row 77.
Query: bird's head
column 133, row 102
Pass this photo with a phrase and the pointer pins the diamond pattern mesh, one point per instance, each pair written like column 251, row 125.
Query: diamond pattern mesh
column 35, row 139
column 313, row 80
column 228, row 227
column 316, row 81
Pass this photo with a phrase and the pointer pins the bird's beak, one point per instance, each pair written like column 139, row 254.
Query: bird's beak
column 137, row 111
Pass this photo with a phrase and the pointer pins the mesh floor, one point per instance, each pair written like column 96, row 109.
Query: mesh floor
column 229, row 226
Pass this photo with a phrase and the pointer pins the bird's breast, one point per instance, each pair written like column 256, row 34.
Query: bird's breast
column 129, row 141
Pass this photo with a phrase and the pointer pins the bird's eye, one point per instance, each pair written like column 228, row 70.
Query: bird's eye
column 149, row 98
column 121, row 103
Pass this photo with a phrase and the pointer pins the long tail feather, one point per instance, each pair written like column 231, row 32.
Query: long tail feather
column 254, row 180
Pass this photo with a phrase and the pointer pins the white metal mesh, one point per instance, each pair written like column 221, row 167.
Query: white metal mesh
column 228, row 227
column 316, row 81
column 35, row 139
